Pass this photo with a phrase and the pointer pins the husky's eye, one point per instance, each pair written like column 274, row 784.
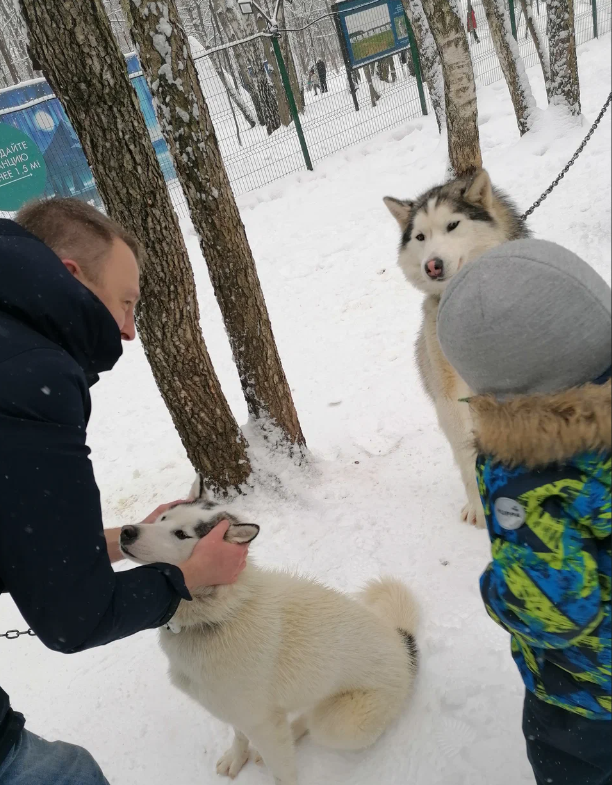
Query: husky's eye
column 163, row 518
column 453, row 226
column 180, row 535
column 420, row 237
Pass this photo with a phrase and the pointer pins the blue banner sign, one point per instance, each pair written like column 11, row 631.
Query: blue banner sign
column 372, row 30
column 33, row 109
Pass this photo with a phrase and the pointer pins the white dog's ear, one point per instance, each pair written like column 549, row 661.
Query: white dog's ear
column 198, row 490
column 242, row 533
column 400, row 209
column 480, row 190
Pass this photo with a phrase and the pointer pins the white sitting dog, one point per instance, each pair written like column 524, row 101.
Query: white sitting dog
column 276, row 644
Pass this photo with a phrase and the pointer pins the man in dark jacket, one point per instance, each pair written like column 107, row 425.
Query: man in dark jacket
column 63, row 315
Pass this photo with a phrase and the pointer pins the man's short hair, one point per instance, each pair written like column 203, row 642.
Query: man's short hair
column 75, row 230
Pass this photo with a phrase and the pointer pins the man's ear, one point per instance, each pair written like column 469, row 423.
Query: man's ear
column 480, row 190
column 400, row 209
column 242, row 533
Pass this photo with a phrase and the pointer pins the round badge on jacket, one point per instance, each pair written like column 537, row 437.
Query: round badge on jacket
column 510, row 514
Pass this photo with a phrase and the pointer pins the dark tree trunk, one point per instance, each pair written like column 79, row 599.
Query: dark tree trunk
column 74, row 44
column 186, row 124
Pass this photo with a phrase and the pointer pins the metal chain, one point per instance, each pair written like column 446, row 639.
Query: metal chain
column 12, row 635
column 556, row 182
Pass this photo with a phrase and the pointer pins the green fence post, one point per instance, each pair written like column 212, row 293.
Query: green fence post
column 595, row 20
column 417, row 65
column 291, row 99
column 513, row 19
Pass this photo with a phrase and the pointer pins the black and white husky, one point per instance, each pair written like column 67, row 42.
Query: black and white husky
column 442, row 230
column 276, row 644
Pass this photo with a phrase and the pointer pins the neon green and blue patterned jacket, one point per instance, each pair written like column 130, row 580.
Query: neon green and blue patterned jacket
column 544, row 474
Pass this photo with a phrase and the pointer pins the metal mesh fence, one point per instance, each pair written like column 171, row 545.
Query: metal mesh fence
column 258, row 141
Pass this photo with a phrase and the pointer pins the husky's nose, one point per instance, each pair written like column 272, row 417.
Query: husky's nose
column 435, row 268
column 129, row 534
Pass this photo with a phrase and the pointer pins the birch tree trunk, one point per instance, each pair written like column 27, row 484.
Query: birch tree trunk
column 430, row 59
column 283, row 105
column 564, row 81
column 287, row 52
column 538, row 42
column 187, row 127
column 459, row 85
column 511, row 63
column 74, row 44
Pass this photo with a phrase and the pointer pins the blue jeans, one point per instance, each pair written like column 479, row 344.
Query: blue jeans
column 34, row 761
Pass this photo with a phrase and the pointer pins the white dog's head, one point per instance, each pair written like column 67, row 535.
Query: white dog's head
column 173, row 536
column 450, row 226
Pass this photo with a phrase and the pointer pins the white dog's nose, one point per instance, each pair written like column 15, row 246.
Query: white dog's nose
column 435, row 268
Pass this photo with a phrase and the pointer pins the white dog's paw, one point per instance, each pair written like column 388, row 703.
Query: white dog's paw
column 474, row 515
column 232, row 763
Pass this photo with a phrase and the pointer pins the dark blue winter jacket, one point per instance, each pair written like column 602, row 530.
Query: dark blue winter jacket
column 55, row 337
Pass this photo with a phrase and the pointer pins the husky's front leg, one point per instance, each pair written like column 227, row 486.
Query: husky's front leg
column 274, row 740
column 456, row 422
column 234, row 760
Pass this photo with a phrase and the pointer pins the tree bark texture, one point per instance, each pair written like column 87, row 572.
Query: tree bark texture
column 74, row 43
column 511, row 62
column 187, row 126
column 564, row 81
column 284, row 112
column 538, row 42
column 287, row 52
column 459, row 85
column 431, row 64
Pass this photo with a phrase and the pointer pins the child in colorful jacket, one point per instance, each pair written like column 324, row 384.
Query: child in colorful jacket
column 528, row 327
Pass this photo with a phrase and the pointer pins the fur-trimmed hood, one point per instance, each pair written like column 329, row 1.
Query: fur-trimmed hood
column 537, row 430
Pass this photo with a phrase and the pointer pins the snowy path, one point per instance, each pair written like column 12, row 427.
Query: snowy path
column 382, row 494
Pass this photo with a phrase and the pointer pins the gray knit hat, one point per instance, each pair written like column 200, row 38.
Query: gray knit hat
column 527, row 317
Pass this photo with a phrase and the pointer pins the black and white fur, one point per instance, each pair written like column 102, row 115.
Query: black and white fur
column 444, row 229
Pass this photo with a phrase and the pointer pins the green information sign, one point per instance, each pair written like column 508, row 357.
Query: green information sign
column 23, row 172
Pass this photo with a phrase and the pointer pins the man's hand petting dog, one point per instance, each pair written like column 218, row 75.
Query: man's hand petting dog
column 214, row 562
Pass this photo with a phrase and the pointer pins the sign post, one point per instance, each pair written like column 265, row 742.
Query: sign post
column 371, row 30
column 23, row 172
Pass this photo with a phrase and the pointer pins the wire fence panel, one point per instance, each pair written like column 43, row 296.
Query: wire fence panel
column 247, row 103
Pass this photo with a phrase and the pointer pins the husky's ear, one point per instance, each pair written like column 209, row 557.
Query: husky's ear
column 198, row 490
column 242, row 533
column 480, row 190
column 400, row 209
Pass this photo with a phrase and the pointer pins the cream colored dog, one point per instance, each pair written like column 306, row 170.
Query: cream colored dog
column 444, row 229
column 276, row 644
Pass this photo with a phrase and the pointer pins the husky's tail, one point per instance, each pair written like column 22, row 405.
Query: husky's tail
column 391, row 600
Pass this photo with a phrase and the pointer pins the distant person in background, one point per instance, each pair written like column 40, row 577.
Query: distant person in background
column 313, row 81
column 472, row 24
column 322, row 71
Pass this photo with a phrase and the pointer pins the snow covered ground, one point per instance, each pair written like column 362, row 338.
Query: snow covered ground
column 381, row 493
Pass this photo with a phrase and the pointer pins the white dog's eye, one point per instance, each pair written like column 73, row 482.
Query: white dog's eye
column 453, row 226
column 180, row 535
column 420, row 237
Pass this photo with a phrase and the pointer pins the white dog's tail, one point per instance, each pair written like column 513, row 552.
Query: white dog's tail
column 391, row 600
